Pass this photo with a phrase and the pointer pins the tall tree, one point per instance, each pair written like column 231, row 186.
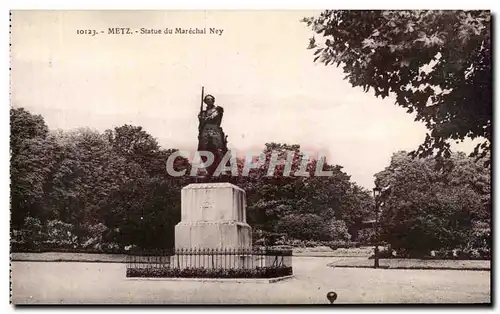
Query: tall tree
column 436, row 63
column 278, row 203
column 135, row 144
column 25, row 126
column 87, row 173
column 357, row 206
column 424, row 209
column 30, row 164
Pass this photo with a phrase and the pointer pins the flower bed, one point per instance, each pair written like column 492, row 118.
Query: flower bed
column 201, row 272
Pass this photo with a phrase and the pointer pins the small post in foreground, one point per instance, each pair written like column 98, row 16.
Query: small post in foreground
column 331, row 296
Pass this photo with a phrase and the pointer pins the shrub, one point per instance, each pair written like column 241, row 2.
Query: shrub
column 311, row 243
column 443, row 254
column 339, row 231
column 384, row 252
column 366, row 236
column 305, row 227
column 340, row 244
column 30, row 237
column 60, row 235
column 98, row 241
column 201, row 272
column 479, row 241
column 97, row 230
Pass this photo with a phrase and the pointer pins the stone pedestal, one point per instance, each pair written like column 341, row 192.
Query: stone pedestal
column 213, row 216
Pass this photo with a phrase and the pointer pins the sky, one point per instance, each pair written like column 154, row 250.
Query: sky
column 258, row 69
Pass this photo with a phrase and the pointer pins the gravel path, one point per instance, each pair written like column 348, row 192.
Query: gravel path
column 101, row 283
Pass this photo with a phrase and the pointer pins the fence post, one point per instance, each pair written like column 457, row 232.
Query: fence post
column 176, row 251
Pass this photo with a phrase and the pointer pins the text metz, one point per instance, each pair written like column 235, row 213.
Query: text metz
column 119, row 31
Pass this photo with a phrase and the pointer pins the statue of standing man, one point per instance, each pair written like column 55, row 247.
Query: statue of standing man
column 211, row 137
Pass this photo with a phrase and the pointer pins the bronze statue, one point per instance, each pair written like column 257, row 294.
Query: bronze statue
column 211, row 137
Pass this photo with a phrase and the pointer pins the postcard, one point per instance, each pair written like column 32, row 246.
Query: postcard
column 250, row 157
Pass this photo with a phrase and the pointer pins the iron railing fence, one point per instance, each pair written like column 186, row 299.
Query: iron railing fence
column 200, row 258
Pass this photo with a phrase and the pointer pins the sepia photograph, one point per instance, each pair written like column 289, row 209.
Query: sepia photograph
column 187, row 157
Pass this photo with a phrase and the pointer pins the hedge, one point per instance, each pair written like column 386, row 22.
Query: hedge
column 201, row 272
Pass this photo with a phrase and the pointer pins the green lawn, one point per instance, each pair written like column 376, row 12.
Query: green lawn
column 357, row 258
column 67, row 257
column 396, row 263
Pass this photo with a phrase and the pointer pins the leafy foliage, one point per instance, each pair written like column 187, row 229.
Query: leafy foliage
column 104, row 192
column 301, row 207
column 479, row 241
column 436, row 63
column 424, row 209
column 111, row 190
column 31, row 164
column 111, row 187
column 30, row 234
column 61, row 233
column 200, row 272
column 304, row 227
column 25, row 126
